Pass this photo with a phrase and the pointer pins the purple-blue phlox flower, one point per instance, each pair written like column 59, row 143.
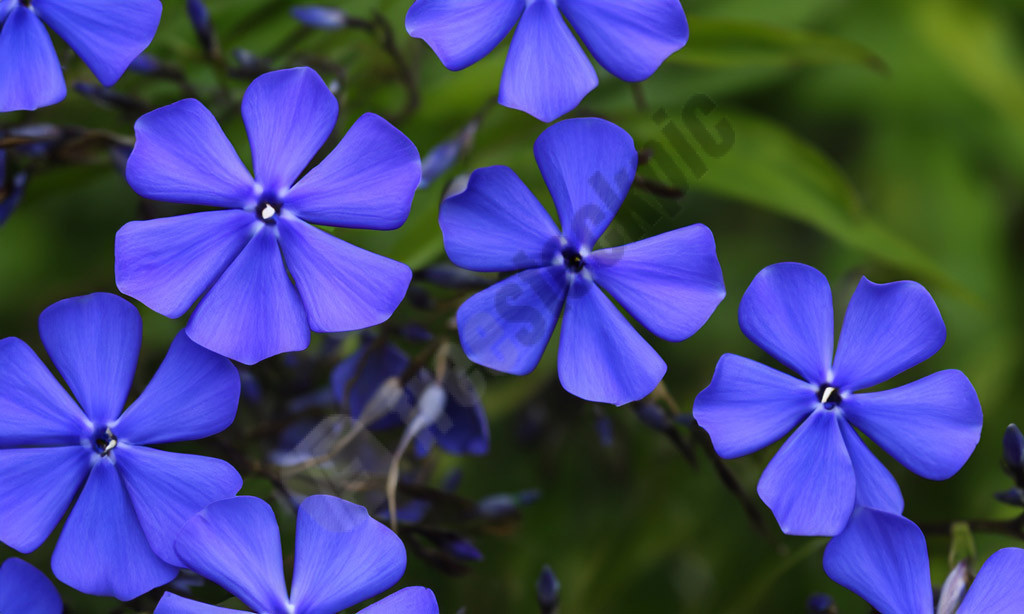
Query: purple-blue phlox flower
column 462, row 429
column 26, row 590
column 242, row 255
column 547, row 73
column 117, row 540
column 342, row 557
column 106, row 34
column 931, row 426
column 670, row 283
column 883, row 558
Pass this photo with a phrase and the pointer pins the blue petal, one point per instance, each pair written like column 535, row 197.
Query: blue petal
column 547, row 73
column 998, row 588
column 368, row 181
column 102, row 549
column 601, row 357
column 94, row 342
column 342, row 556
column 412, row 600
column 748, row 406
column 930, row 426
column 810, row 485
column 26, row 590
column 236, row 543
column 343, row 287
column 787, row 311
column 167, row 489
column 288, row 115
column 884, row 559
column 6, row 6
column 629, row 39
column 462, row 32
column 30, row 75
column 194, row 394
column 34, row 409
column 181, row 155
column 671, row 283
column 876, row 488
column 39, row 484
column 497, row 224
column 168, row 263
column 507, row 326
column 173, row 604
column 253, row 311
column 588, row 165
column 888, row 328
column 106, row 34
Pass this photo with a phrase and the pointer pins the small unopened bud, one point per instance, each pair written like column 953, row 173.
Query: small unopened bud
column 820, row 603
column 201, row 22
column 11, row 194
column 953, row 589
column 652, row 415
column 1014, row 496
column 320, row 17
column 549, row 589
column 384, row 400
column 462, row 548
column 1013, row 450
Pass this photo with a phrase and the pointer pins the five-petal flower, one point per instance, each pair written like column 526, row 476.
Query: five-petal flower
column 671, row 283
column 117, row 540
column 106, row 34
column 547, row 72
column 253, row 310
column 883, row 558
column 931, row 426
column 342, row 557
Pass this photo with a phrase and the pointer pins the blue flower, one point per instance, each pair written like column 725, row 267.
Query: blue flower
column 342, row 557
column 463, row 429
column 884, row 558
column 931, row 426
column 26, row 590
column 252, row 309
column 547, row 72
column 117, row 540
column 670, row 283
column 106, row 34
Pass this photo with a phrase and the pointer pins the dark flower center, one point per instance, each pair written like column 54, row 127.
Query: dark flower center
column 25, row 2
column 573, row 260
column 829, row 396
column 267, row 211
column 103, row 440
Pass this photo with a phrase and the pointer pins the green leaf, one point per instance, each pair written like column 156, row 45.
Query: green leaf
column 763, row 164
column 722, row 43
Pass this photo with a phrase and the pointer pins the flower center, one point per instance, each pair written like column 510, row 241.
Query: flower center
column 103, row 441
column 573, row 260
column 25, row 3
column 267, row 211
column 829, row 396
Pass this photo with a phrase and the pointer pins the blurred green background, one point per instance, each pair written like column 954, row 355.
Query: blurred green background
column 872, row 137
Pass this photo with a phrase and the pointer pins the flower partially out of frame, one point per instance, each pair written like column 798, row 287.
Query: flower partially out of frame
column 931, row 426
column 237, row 256
column 884, row 558
column 26, row 590
column 670, row 283
column 106, row 34
column 118, row 538
column 342, row 558
column 547, row 73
